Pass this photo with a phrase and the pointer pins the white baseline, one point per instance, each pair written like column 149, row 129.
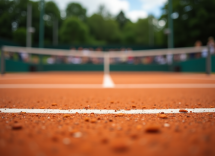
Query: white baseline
column 105, row 85
column 104, row 111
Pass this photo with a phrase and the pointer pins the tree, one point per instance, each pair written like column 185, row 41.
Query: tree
column 104, row 12
column 52, row 10
column 13, row 16
column 35, row 21
column 76, row 10
column 112, row 32
column 96, row 29
column 74, row 31
column 107, row 30
column 128, row 33
column 141, row 32
column 121, row 19
column 144, row 32
column 195, row 21
column 52, row 14
column 19, row 36
column 5, row 18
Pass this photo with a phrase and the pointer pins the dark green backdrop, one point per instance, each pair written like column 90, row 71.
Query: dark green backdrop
column 193, row 65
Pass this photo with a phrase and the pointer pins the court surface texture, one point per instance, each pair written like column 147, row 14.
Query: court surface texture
column 121, row 113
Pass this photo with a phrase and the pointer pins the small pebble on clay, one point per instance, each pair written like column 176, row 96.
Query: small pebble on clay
column 183, row 111
column 120, row 146
column 93, row 120
column 166, row 125
column 152, row 128
column 77, row 134
column 133, row 106
column 163, row 116
column 17, row 126
column 66, row 141
column 86, row 119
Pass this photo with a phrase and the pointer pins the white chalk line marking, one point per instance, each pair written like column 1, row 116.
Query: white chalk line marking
column 77, row 86
column 103, row 111
column 51, row 86
column 107, row 81
column 14, row 78
column 21, row 77
column 35, row 77
column 197, row 78
column 165, row 86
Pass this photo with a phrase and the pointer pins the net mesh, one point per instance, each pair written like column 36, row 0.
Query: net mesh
column 106, row 58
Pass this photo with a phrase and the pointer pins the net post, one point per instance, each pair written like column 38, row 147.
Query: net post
column 41, row 28
column 106, row 64
column 41, row 32
column 29, row 17
column 208, row 62
column 170, row 26
column 2, row 62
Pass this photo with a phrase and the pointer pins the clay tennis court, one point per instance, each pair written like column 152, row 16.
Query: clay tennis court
column 124, row 113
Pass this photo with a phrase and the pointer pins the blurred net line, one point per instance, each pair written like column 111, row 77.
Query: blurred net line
column 108, row 57
column 78, row 53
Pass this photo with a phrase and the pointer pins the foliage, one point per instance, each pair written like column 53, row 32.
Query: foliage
column 195, row 21
column 107, row 29
column 19, row 36
column 5, row 19
column 98, row 29
column 52, row 14
column 121, row 19
column 12, row 16
column 104, row 12
column 52, row 10
column 128, row 33
column 75, row 9
column 74, row 31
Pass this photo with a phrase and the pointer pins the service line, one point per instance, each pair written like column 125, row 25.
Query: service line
column 107, row 85
column 104, row 111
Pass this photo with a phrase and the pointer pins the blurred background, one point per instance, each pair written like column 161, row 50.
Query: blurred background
column 107, row 25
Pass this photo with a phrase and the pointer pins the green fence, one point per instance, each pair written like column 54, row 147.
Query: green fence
column 193, row 65
column 16, row 66
column 72, row 67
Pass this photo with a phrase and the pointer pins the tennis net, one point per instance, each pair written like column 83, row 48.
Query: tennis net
column 140, row 59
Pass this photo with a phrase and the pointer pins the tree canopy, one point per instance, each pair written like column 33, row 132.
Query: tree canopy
column 73, row 31
column 121, row 19
column 75, row 9
column 193, row 20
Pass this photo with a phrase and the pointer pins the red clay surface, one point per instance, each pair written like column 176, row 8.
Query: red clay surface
column 79, row 134
column 107, row 98
column 160, row 78
column 97, row 78
column 53, row 78
column 91, row 134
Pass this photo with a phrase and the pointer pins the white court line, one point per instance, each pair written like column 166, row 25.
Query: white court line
column 13, row 78
column 107, row 85
column 194, row 78
column 107, row 81
column 51, row 86
column 18, row 78
column 104, row 111
column 165, row 86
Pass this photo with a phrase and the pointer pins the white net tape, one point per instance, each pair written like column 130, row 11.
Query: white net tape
column 105, row 55
column 138, row 53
